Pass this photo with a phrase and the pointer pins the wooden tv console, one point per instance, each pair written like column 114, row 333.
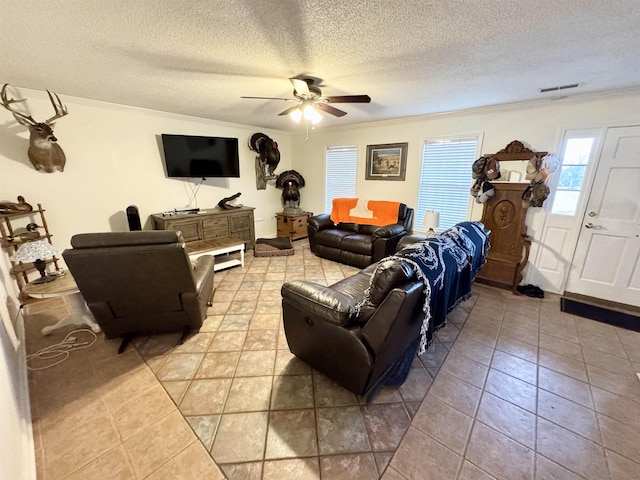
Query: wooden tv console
column 209, row 224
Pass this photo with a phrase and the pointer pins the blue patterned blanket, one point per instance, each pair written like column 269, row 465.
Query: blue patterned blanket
column 447, row 265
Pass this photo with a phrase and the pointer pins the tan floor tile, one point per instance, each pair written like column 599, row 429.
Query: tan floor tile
column 192, row 462
column 292, row 392
column 265, row 321
column 498, row 455
column 348, row 467
column 570, row 415
column 180, row 366
column 611, row 363
column 205, row 397
column 176, row 390
column 150, row 448
column 217, row 365
column 456, row 393
column 205, row 427
column 470, row 472
column 474, row 351
column 197, row 342
column 622, row 468
column 291, row 433
column 571, row 450
column 235, row 323
column 69, row 449
column 243, row 471
column 227, row 341
column 327, row 393
column 240, row 437
column 386, row 424
column 465, row 369
column 114, row 465
column 382, row 459
column 249, row 394
column 255, row 363
column 561, row 347
column 548, row 470
column 416, row 385
column 412, row 462
column 288, row 364
column 625, row 383
column 141, row 411
column 392, row 474
column 620, row 437
column 515, row 366
column 508, row 419
column 444, row 423
column 434, row 356
column 523, row 350
column 292, row 469
column 509, row 388
column 341, row 430
column 615, row 406
column 561, row 364
column 567, row 387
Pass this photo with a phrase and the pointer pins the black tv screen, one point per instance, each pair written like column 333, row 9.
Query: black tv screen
column 194, row 156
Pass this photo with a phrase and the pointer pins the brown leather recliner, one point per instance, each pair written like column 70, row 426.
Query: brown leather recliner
column 361, row 347
column 141, row 282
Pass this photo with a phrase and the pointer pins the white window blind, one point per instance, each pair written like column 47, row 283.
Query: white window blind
column 445, row 180
column 340, row 176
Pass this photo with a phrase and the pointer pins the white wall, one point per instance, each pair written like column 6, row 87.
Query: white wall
column 113, row 161
column 538, row 126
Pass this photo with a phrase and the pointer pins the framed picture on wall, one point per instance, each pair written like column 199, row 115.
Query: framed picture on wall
column 387, row 161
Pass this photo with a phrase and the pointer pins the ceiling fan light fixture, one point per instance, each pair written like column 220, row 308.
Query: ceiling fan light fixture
column 312, row 115
column 296, row 115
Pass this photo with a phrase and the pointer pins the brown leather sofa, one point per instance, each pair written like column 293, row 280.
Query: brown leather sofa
column 357, row 244
column 141, row 282
column 358, row 346
column 363, row 340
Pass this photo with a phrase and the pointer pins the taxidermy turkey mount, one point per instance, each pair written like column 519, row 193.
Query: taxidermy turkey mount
column 306, row 93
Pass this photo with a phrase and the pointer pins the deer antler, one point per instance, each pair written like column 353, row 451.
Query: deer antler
column 20, row 117
column 58, row 106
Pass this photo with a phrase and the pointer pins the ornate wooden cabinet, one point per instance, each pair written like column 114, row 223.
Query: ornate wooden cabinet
column 505, row 216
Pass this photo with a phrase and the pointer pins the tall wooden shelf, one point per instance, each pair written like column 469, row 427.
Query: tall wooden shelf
column 10, row 244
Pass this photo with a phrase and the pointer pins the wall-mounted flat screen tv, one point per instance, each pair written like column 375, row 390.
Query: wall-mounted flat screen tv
column 194, row 156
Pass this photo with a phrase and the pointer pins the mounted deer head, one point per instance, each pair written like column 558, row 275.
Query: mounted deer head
column 44, row 153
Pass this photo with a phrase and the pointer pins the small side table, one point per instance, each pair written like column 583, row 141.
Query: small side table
column 293, row 226
column 60, row 287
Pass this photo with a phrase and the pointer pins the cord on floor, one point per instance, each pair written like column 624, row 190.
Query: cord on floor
column 70, row 343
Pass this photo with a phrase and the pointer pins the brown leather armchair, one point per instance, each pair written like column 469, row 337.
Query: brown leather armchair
column 141, row 282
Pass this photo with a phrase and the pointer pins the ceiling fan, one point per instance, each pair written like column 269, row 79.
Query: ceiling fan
column 309, row 98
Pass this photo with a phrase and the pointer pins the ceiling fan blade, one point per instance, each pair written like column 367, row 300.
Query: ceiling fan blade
column 349, row 99
column 272, row 98
column 300, row 86
column 288, row 110
column 330, row 109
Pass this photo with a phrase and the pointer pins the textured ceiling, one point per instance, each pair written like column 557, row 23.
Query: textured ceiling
column 411, row 56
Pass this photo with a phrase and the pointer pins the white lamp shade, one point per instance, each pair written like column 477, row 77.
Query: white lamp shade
column 32, row 251
column 431, row 219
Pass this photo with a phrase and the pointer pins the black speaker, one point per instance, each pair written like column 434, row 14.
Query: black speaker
column 134, row 218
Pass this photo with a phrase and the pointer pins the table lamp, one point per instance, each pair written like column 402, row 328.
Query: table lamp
column 36, row 252
column 431, row 221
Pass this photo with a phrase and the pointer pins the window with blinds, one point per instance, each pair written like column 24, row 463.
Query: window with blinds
column 340, row 176
column 445, row 179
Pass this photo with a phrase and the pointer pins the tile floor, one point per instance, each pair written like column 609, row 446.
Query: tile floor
column 511, row 389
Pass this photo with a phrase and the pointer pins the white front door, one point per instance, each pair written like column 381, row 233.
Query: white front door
column 606, row 263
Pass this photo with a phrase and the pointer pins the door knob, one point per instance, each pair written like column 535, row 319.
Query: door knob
column 591, row 225
column 592, row 213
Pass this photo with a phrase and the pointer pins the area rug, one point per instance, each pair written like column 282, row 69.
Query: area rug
column 600, row 314
column 273, row 247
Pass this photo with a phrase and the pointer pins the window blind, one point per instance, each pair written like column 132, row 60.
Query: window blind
column 340, row 176
column 445, row 179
